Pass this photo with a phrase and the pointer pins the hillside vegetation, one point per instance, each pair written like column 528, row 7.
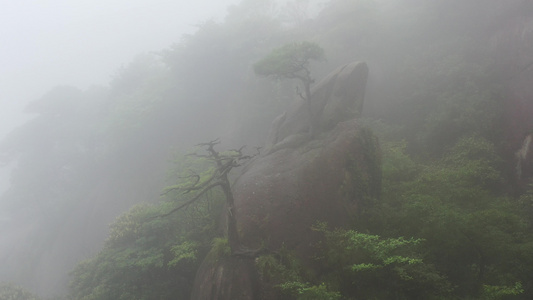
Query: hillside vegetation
column 453, row 219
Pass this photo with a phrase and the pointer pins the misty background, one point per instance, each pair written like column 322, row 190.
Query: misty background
column 81, row 44
column 75, row 47
column 84, row 43
column 99, row 100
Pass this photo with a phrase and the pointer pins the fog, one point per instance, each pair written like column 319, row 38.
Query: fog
column 101, row 101
column 83, row 43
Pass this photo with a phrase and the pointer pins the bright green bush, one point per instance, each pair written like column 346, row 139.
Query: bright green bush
column 369, row 266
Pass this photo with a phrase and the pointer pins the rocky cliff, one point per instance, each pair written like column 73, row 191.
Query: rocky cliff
column 511, row 42
column 281, row 194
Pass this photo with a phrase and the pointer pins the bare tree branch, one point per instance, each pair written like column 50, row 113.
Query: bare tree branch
column 189, row 202
column 225, row 162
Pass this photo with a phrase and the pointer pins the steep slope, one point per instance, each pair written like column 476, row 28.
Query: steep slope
column 283, row 193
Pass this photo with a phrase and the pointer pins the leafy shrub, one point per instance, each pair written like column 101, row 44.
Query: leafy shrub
column 475, row 235
column 366, row 266
column 305, row 291
column 9, row 291
column 147, row 256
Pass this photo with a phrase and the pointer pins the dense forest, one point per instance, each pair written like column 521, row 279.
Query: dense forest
column 98, row 173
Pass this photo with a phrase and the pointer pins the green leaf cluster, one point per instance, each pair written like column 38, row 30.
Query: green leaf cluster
column 147, row 256
column 491, row 292
column 290, row 60
column 474, row 235
column 305, row 291
column 373, row 267
column 219, row 248
column 185, row 251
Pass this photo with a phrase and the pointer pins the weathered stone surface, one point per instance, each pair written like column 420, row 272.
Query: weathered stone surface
column 512, row 46
column 299, row 182
column 228, row 278
column 524, row 158
column 337, row 97
column 281, row 195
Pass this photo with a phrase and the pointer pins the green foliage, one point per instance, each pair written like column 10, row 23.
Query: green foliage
column 369, row 266
column 464, row 106
column 9, row 291
column 219, row 249
column 366, row 177
column 525, row 202
column 276, row 269
column 149, row 257
column 289, row 61
column 305, row 291
column 184, row 251
column 500, row 292
column 442, row 178
column 191, row 173
column 153, row 244
column 473, row 235
column 126, row 228
column 282, row 274
column 397, row 165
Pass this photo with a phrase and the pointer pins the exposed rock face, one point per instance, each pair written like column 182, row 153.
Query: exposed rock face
column 228, row 278
column 283, row 193
column 524, row 158
column 519, row 125
column 337, row 97
column 511, row 42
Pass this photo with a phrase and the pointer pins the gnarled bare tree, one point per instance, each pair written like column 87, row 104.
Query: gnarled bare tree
column 223, row 163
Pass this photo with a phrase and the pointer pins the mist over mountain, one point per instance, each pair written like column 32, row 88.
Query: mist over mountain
column 423, row 193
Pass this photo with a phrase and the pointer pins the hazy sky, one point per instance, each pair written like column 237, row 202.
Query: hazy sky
column 44, row 43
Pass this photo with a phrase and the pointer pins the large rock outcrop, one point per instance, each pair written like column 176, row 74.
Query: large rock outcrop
column 512, row 48
column 337, row 97
column 281, row 194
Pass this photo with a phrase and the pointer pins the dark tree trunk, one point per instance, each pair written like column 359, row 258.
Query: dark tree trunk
column 233, row 235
